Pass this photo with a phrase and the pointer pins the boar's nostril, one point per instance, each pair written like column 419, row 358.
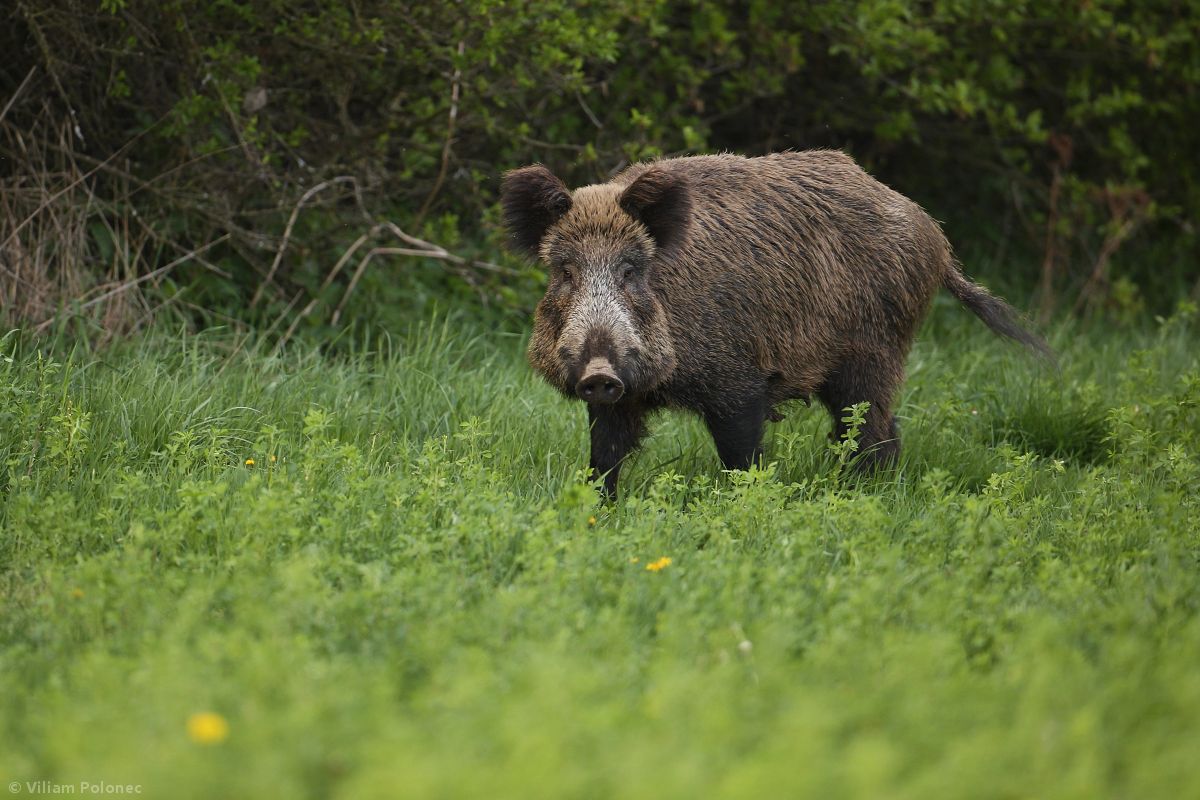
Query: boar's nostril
column 600, row 387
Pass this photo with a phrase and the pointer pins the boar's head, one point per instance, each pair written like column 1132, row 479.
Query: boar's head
column 601, row 331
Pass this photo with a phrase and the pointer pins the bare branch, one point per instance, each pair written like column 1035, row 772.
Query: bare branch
column 287, row 231
column 417, row 248
column 588, row 110
column 17, row 93
column 455, row 89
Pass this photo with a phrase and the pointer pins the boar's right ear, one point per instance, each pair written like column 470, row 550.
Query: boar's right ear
column 533, row 199
column 659, row 199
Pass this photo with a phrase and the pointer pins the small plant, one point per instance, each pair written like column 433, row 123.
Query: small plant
column 410, row 598
column 845, row 448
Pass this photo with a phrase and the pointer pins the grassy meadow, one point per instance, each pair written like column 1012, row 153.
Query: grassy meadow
column 378, row 571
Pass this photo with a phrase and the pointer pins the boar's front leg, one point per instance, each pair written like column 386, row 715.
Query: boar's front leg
column 737, row 432
column 616, row 431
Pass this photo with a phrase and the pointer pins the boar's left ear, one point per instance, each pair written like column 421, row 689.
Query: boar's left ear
column 659, row 199
column 533, row 199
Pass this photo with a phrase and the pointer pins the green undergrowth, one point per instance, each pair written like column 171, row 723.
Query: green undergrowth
column 385, row 571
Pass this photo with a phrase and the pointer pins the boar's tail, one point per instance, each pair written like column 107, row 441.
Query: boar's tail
column 996, row 314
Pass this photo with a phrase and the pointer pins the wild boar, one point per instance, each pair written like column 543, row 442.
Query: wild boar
column 728, row 285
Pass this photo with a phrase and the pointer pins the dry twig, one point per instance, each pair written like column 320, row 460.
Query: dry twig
column 455, row 89
column 287, row 231
column 418, row 248
column 1128, row 209
column 17, row 93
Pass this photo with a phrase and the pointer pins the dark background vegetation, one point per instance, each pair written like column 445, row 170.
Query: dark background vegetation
column 285, row 164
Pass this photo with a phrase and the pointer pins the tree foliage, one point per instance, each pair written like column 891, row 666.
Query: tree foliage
column 1065, row 128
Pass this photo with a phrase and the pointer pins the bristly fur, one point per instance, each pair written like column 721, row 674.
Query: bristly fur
column 729, row 285
column 660, row 200
column 533, row 199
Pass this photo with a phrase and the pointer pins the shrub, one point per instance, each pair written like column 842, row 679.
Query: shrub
column 1060, row 128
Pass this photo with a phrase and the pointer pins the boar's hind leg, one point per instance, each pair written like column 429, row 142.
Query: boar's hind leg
column 738, row 433
column 873, row 380
column 616, row 431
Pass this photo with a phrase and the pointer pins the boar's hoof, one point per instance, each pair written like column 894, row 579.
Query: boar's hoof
column 600, row 384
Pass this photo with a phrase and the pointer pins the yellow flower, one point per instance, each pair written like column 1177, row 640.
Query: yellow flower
column 634, row 560
column 591, row 520
column 662, row 563
column 249, row 462
column 77, row 593
column 272, row 459
column 207, row 727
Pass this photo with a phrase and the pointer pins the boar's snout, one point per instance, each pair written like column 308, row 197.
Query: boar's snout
column 599, row 383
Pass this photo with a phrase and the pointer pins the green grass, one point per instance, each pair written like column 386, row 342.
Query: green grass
column 413, row 593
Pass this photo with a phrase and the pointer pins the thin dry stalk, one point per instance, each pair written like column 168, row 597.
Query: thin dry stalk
column 1128, row 209
column 287, row 232
column 44, row 251
column 451, row 121
column 1063, row 151
column 129, row 284
column 418, row 248
column 17, row 93
column 70, row 187
column 333, row 273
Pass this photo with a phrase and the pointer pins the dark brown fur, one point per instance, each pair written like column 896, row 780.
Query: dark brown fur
column 728, row 285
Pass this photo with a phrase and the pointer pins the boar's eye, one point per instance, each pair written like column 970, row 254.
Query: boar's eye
column 628, row 271
column 564, row 273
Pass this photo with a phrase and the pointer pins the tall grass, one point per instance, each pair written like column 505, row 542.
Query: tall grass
column 382, row 567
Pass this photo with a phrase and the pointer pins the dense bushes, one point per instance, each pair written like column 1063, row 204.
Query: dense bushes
column 1056, row 138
